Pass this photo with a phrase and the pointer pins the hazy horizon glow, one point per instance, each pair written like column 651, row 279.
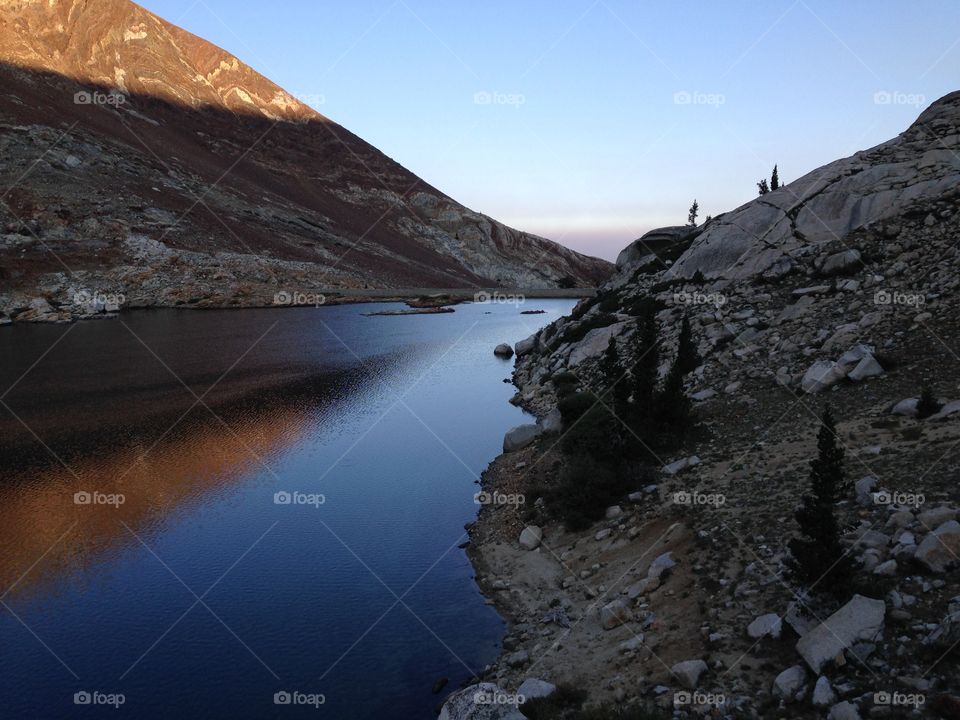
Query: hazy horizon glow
column 593, row 122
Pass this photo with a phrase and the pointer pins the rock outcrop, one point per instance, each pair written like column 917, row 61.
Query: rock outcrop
column 147, row 164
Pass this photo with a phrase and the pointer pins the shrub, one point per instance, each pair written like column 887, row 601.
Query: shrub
column 928, row 404
column 586, row 489
column 573, row 406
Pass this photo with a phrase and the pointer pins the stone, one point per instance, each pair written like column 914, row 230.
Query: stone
column 688, row 672
column 867, row 367
column 503, row 350
column 864, row 488
column 789, row 683
column 552, row 422
column 518, row 658
column 519, row 437
column 935, row 517
column 531, row 537
column 532, row 688
column 823, row 694
column 661, row 564
column 479, row 702
column 525, row 345
column 765, row 625
column 843, row 711
column 679, row 466
column 886, row 569
column 906, row 407
column 594, row 343
column 940, row 549
column 612, row 512
column 655, row 242
column 614, row 614
column 860, row 619
column 821, row 375
column 949, row 409
column 702, row 395
column 841, row 263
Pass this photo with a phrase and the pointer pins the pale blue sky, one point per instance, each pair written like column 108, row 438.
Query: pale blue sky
column 585, row 139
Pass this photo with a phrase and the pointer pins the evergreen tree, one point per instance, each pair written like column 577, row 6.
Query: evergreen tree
column 928, row 404
column 817, row 555
column 774, row 179
column 763, row 187
column 646, row 353
column 692, row 215
column 673, row 410
column 687, row 356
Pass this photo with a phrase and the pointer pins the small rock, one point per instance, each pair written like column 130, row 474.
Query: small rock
column 688, row 672
column 765, row 625
column 788, row 683
column 531, row 537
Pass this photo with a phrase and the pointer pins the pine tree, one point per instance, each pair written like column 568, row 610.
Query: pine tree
column 928, row 404
column 817, row 556
column 646, row 364
column 673, row 410
column 774, row 179
column 688, row 359
column 763, row 187
column 692, row 215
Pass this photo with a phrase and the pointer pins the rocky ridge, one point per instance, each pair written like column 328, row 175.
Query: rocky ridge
column 144, row 166
column 792, row 319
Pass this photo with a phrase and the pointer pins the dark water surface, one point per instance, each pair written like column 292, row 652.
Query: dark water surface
column 200, row 595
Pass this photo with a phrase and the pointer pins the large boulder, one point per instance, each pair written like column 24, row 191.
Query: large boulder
column 656, row 244
column 594, row 343
column 941, row 548
column 533, row 688
column 519, row 437
column 821, row 375
column 861, row 619
column 525, row 345
column 503, row 350
column 866, row 189
column 688, row 672
column 841, row 263
column 484, row 701
column 530, row 537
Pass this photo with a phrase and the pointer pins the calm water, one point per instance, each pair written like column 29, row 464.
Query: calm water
column 199, row 592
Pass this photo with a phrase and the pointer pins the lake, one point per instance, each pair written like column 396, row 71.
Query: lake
column 202, row 509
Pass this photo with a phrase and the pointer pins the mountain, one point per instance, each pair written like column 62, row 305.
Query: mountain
column 839, row 290
column 144, row 162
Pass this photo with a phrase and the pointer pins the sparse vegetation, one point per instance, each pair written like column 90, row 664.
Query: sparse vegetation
column 928, row 404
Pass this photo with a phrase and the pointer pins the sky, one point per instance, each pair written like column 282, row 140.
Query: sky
column 593, row 121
